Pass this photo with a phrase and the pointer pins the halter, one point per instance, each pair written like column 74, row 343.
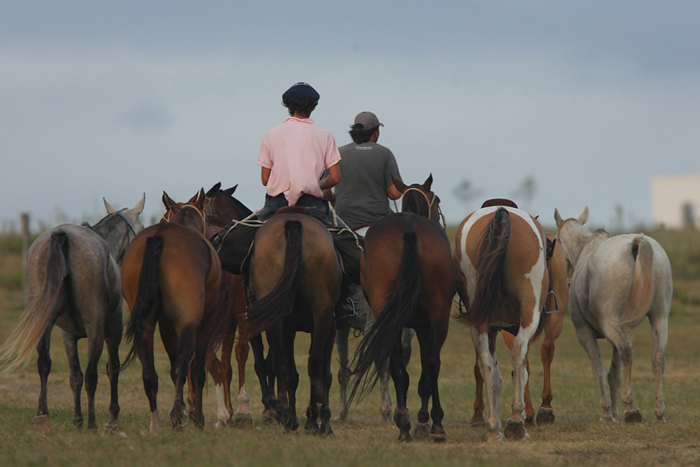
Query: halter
column 430, row 205
column 128, row 225
column 201, row 214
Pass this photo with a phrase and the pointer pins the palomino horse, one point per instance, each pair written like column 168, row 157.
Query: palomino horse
column 556, row 304
column 295, row 279
column 408, row 279
column 171, row 278
column 501, row 255
column 617, row 282
column 74, row 283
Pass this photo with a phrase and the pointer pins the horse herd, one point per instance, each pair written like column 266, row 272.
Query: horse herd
column 511, row 277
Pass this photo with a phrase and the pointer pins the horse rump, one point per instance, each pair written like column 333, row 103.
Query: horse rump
column 381, row 338
column 274, row 307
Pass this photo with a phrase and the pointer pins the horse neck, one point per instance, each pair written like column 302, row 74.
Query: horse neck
column 114, row 232
column 578, row 238
column 229, row 209
column 413, row 204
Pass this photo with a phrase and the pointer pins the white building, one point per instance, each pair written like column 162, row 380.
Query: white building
column 675, row 201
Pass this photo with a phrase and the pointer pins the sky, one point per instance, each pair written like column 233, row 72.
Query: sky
column 585, row 100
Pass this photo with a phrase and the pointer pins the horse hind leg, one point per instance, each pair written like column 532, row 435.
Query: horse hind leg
column 401, row 383
column 242, row 416
column 113, row 369
column 484, row 345
column 587, row 338
column 41, row 420
column 341, row 343
column 529, row 410
column 659, row 327
column 76, row 376
column 95, row 345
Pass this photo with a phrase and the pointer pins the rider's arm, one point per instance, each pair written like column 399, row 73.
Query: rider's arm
column 393, row 193
column 332, row 179
column 265, row 175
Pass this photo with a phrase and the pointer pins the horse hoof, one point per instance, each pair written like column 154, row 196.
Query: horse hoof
column 112, row 426
column 92, row 427
column 270, row 417
column 41, row 423
column 494, row 437
column 633, row 416
column 437, row 435
column 242, row 420
column 477, row 420
column 405, row 437
column 607, row 418
column 515, row 430
column 545, row 416
column 421, row 432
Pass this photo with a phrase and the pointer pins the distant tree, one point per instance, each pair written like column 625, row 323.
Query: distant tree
column 465, row 192
column 525, row 192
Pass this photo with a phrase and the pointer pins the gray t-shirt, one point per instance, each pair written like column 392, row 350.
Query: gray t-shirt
column 361, row 195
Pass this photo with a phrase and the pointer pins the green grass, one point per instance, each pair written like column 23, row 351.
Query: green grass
column 575, row 438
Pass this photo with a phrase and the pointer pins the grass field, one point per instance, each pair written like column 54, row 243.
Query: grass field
column 575, row 438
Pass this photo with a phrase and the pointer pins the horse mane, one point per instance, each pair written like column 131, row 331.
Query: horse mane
column 410, row 201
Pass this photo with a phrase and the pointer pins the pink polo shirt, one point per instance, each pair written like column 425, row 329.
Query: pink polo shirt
column 297, row 153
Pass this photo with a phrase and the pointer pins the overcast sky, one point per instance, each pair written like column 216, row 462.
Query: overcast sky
column 113, row 99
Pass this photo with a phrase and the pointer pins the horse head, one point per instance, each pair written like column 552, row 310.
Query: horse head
column 221, row 203
column 190, row 214
column 419, row 199
column 572, row 235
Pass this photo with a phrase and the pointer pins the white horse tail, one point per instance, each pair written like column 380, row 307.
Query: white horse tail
column 642, row 290
column 40, row 314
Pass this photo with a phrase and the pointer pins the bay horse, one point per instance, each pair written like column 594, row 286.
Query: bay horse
column 555, row 307
column 75, row 284
column 617, row 282
column 220, row 204
column 408, row 280
column 295, row 278
column 171, row 277
column 500, row 254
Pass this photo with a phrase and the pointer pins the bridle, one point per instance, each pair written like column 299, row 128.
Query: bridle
column 431, row 202
column 169, row 214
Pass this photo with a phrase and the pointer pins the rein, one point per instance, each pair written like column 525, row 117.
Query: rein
column 430, row 205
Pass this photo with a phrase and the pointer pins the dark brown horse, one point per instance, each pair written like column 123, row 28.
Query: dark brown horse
column 171, row 277
column 500, row 252
column 408, row 279
column 295, row 280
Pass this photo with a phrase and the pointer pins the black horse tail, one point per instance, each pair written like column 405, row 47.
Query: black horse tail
column 385, row 333
column 42, row 312
column 275, row 306
column 147, row 297
column 489, row 300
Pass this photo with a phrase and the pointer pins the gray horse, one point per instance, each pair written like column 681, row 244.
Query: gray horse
column 74, row 283
column 617, row 282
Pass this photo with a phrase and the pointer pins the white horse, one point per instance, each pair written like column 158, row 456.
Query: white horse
column 617, row 282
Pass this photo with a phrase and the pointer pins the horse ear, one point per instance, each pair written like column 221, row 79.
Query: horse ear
column 200, row 199
column 193, row 199
column 399, row 184
column 110, row 208
column 213, row 190
column 229, row 191
column 428, row 182
column 138, row 208
column 557, row 217
column 583, row 217
column 167, row 201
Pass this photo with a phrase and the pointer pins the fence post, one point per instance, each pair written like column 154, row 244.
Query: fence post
column 25, row 249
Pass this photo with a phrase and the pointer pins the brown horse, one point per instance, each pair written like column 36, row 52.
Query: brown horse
column 408, row 279
column 500, row 252
column 556, row 304
column 295, row 279
column 221, row 208
column 171, row 277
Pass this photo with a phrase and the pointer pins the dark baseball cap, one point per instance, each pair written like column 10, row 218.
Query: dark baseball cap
column 301, row 91
column 368, row 121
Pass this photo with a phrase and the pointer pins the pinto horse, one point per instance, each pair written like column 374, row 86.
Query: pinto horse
column 500, row 252
column 617, row 282
column 74, row 283
column 408, row 279
column 171, row 277
column 295, row 278
column 555, row 306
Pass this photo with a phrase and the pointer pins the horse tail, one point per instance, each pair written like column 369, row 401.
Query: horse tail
column 489, row 296
column 382, row 337
column 147, row 297
column 42, row 311
column 275, row 306
column 642, row 289
column 222, row 316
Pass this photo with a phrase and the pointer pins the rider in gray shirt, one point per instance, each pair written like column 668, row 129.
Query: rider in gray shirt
column 363, row 193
